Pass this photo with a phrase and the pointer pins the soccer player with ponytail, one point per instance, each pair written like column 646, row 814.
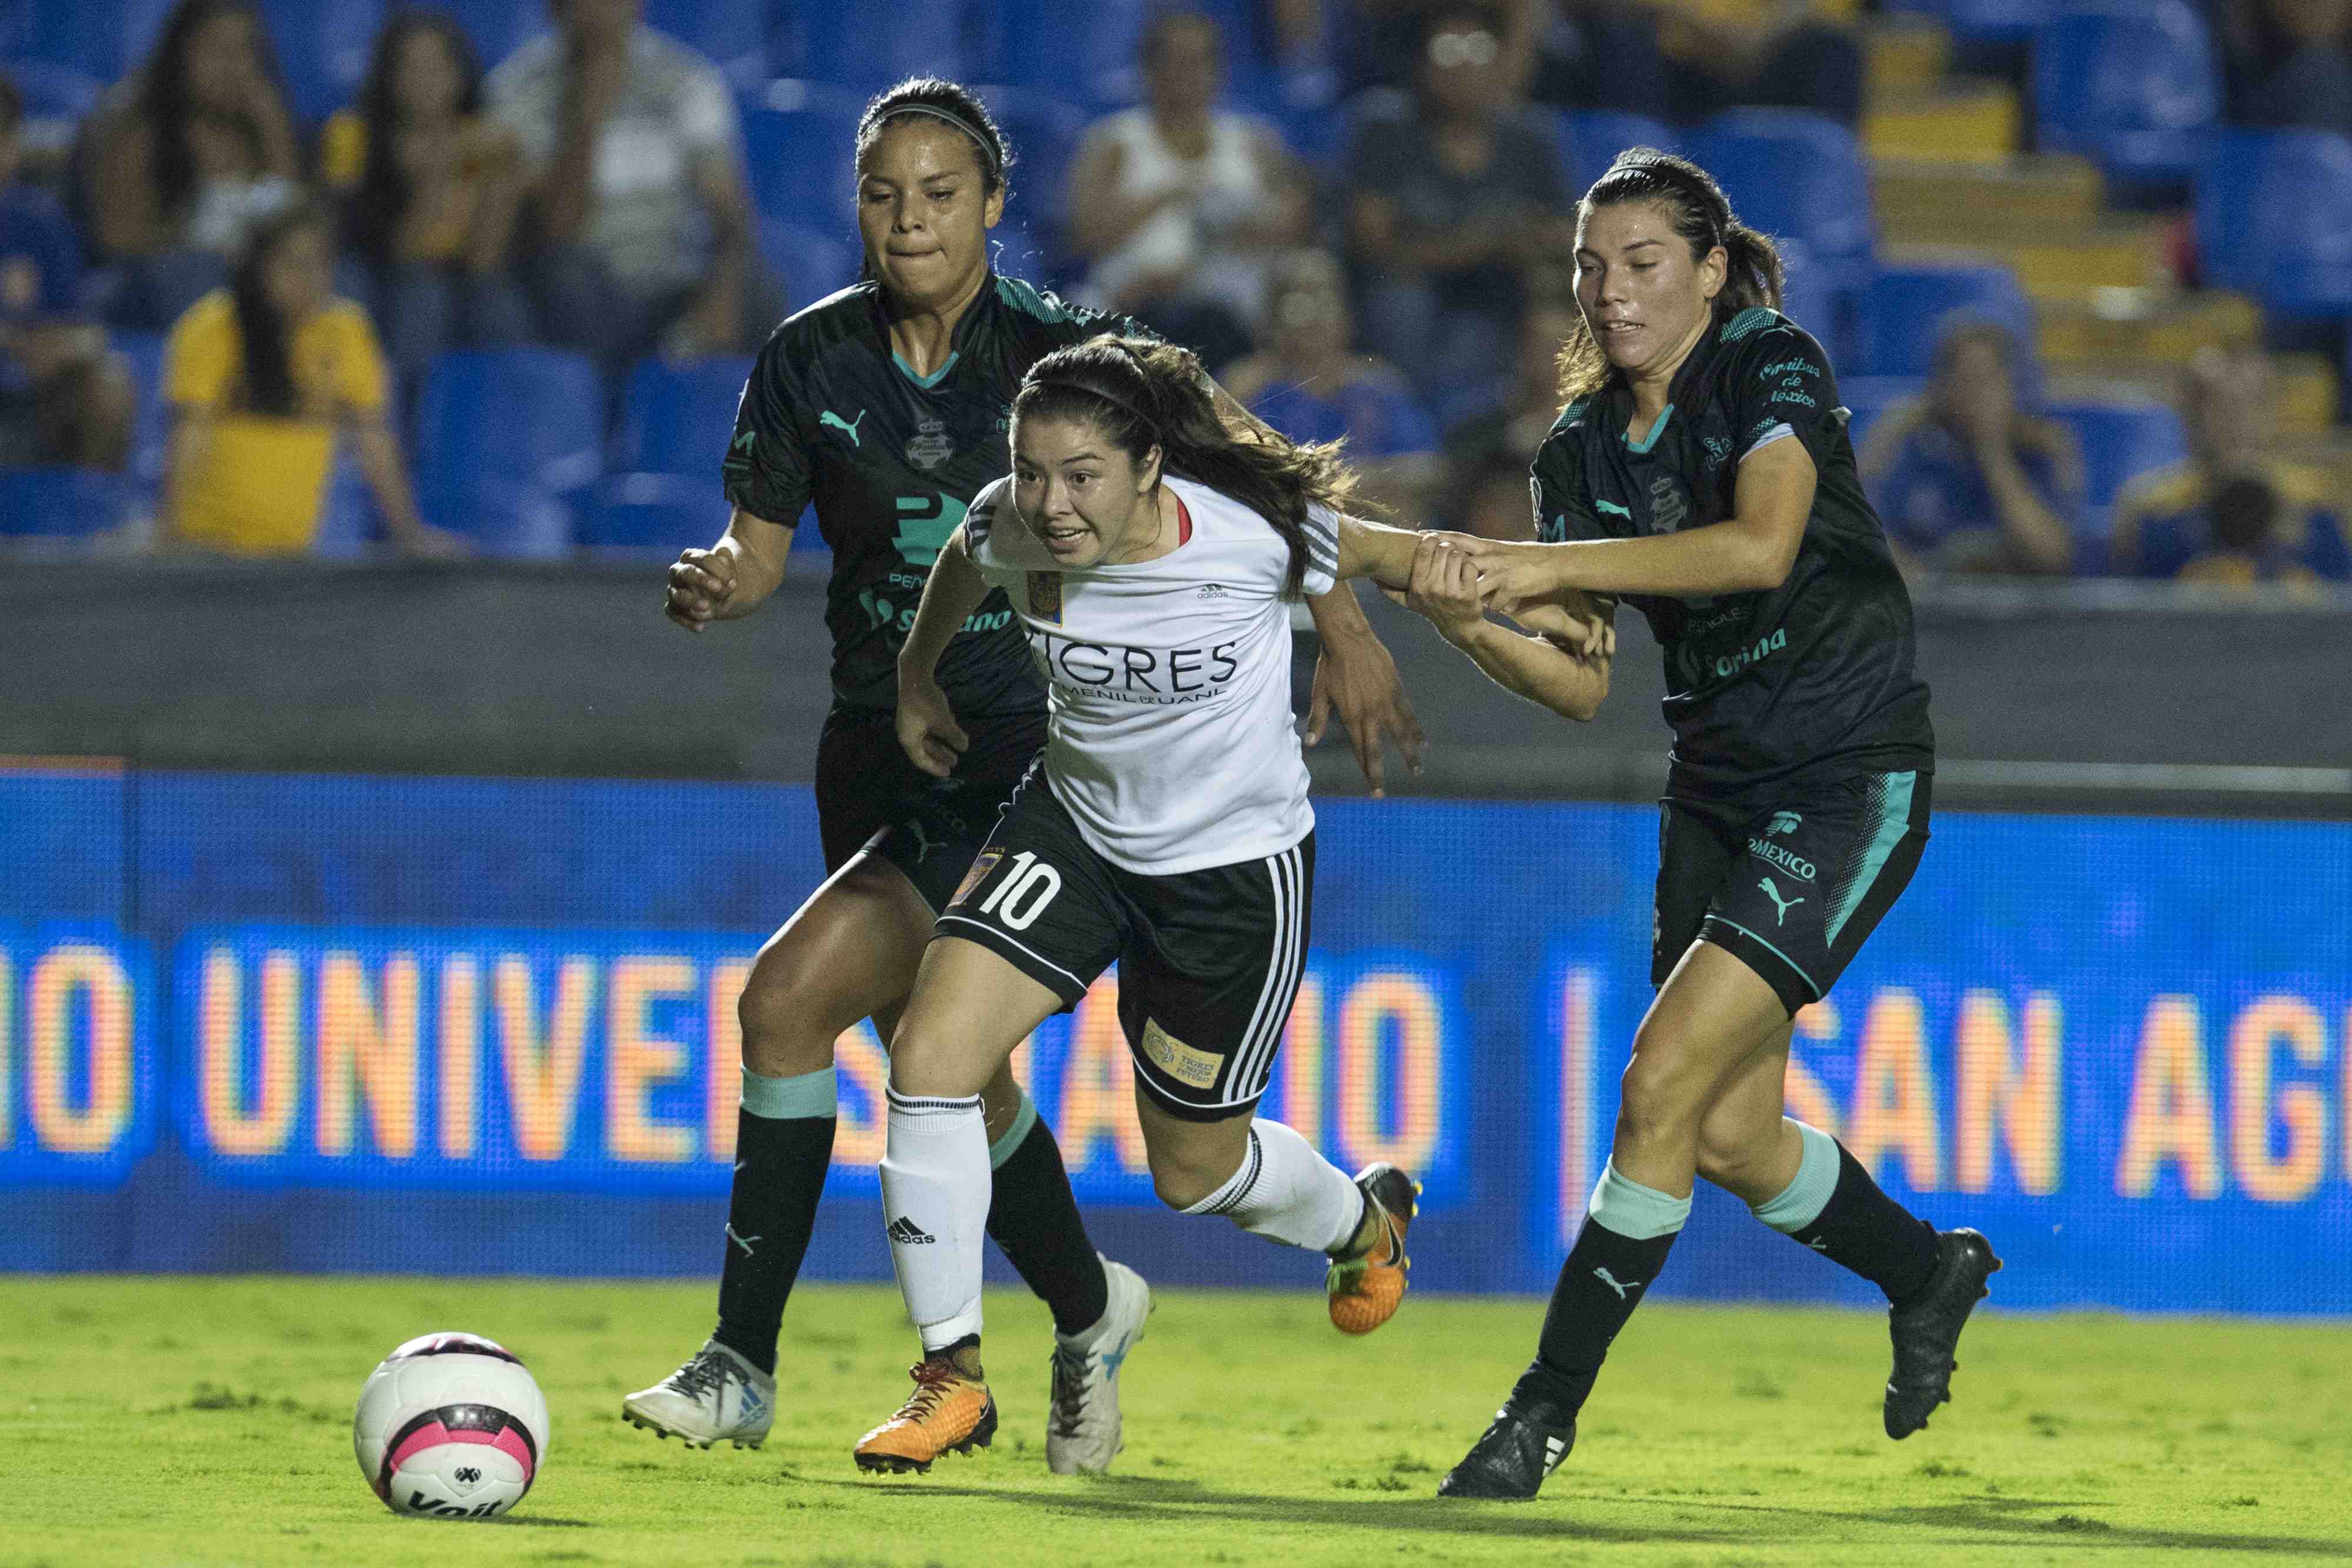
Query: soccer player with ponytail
column 1701, row 470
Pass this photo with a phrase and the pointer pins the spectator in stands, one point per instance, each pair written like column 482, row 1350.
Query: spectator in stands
column 2289, row 62
column 1511, row 428
column 1307, row 385
column 1723, row 53
column 1965, row 479
column 634, row 189
column 263, row 376
column 1179, row 206
column 1604, row 54
column 2234, row 511
column 1383, row 40
column 1455, row 203
column 179, row 162
column 429, row 186
column 63, row 398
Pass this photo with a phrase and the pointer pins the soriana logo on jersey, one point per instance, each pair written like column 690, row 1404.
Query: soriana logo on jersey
column 1046, row 595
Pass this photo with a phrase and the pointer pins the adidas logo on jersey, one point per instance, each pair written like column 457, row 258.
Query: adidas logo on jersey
column 1214, row 590
column 906, row 1231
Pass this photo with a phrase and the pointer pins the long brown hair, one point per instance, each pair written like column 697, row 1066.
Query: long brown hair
column 1141, row 393
column 1700, row 212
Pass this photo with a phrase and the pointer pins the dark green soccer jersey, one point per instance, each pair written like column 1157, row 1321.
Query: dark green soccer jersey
column 891, row 459
column 1813, row 678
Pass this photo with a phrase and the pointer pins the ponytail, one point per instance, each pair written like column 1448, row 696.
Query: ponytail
column 1142, row 394
column 1700, row 212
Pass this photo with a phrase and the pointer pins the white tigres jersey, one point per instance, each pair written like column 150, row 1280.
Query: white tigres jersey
column 1170, row 739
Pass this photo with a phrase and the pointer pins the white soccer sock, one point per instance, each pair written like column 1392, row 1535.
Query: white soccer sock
column 1286, row 1192
column 935, row 1185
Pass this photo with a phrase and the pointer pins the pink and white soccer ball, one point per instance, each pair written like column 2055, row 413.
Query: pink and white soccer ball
column 450, row 1425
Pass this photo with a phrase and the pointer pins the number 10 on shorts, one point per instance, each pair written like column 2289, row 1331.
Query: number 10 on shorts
column 1022, row 893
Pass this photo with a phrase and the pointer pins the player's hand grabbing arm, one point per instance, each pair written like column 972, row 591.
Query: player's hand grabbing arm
column 1565, row 668
column 732, row 578
column 927, row 726
column 1355, row 677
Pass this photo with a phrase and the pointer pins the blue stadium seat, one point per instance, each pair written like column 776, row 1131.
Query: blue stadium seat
column 2122, row 437
column 101, row 39
column 1982, row 21
column 1816, row 300
column 869, row 45
column 733, row 33
column 55, row 98
column 798, row 146
column 659, row 513
column 58, row 503
column 322, row 49
column 678, row 419
column 1044, row 130
column 2273, row 214
column 1081, row 49
column 508, row 441
column 1901, row 310
column 497, row 27
column 1868, row 398
column 2132, row 86
column 1796, row 175
column 1598, row 135
column 809, row 262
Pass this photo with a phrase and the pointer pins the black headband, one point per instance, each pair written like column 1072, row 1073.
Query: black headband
column 1690, row 184
column 1117, row 401
column 988, row 164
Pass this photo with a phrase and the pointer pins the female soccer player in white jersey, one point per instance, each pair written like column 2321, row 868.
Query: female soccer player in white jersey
column 1151, row 553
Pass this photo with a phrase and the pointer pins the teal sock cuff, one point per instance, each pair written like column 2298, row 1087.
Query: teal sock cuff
column 1636, row 1212
column 1817, row 1176
column 1014, row 1136
column 790, row 1099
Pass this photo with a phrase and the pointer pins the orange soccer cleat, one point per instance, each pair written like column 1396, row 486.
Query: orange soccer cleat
column 949, row 1413
column 1366, row 1287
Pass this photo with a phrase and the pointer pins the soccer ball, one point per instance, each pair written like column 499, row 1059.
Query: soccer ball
column 450, row 1425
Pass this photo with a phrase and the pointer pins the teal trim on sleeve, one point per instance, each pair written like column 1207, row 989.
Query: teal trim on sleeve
column 790, row 1099
column 1635, row 1212
column 1014, row 1136
column 1893, row 819
column 1747, row 322
column 1809, row 1194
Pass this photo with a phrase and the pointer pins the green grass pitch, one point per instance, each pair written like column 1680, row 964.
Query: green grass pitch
column 155, row 1422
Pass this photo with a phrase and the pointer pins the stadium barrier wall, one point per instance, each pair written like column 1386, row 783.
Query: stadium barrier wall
column 456, row 1025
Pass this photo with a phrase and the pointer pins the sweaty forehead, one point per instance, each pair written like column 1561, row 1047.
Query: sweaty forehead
column 1620, row 225
column 916, row 147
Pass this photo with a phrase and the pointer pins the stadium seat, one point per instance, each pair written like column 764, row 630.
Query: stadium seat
column 678, row 419
column 58, row 503
column 1598, row 135
column 497, row 27
column 55, row 98
column 871, row 46
column 1795, row 175
column 799, row 152
column 1817, row 301
column 2273, row 217
column 2134, row 87
column 1080, row 49
column 733, row 33
column 322, row 50
column 2122, row 437
column 659, row 513
column 1044, row 130
column 809, row 262
column 103, row 40
column 507, row 440
column 1900, row 312
column 1982, row 21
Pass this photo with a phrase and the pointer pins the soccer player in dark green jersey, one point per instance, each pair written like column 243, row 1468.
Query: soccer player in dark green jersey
column 887, row 406
column 1701, row 470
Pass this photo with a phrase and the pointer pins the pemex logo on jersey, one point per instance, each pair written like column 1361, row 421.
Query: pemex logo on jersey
column 925, row 524
column 1045, row 596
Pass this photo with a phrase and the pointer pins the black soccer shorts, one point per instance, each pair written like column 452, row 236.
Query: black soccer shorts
column 870, row 796
column 1792, row 889
column 1209, row 960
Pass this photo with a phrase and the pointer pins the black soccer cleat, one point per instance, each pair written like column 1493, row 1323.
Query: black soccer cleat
column 1525, row 1443
column 1927, row 1335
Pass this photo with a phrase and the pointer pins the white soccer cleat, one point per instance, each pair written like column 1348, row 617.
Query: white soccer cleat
column 1082, row 1429
column 716, row 1397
